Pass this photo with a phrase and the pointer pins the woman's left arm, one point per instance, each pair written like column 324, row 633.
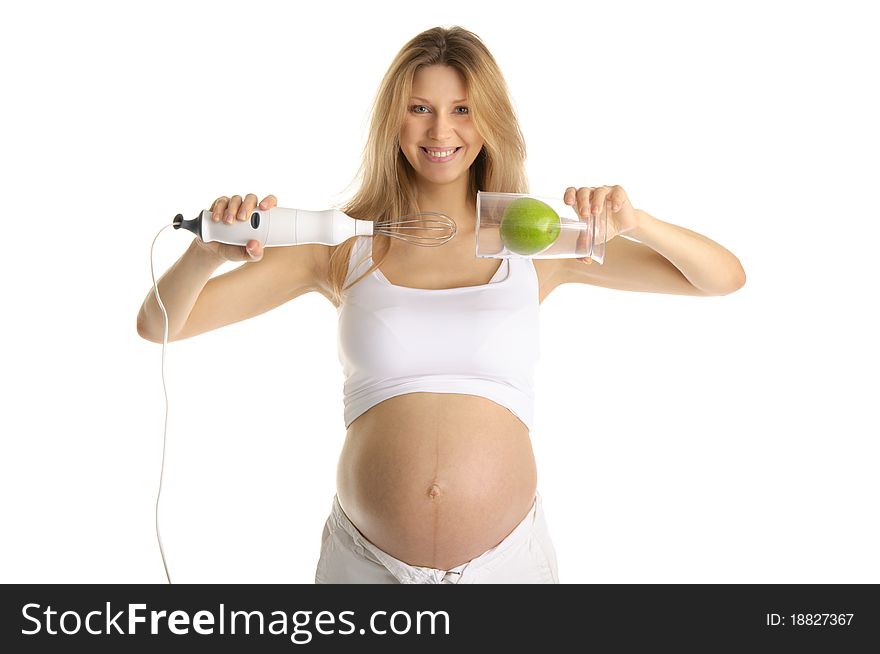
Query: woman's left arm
column 707, row 265
column 709, row 268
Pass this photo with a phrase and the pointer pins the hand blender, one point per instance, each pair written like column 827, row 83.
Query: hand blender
column 279, row 226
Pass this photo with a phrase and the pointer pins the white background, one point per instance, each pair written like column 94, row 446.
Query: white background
column 678, row 439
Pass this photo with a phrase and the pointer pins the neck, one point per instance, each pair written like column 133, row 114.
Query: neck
column 452, row 200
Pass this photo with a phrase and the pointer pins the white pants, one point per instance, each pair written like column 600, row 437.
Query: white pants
column 525, row 556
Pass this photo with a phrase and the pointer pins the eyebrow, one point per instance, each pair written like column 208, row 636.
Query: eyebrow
column 415, row 97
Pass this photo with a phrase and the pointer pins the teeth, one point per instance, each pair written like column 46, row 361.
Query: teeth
column 444, row 153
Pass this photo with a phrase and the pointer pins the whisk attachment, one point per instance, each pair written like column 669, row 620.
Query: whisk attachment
column 440, row 229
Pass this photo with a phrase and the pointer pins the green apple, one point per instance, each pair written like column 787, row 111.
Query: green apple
column 529, row 226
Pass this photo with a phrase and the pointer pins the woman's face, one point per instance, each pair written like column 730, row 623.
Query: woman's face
column 438, row 119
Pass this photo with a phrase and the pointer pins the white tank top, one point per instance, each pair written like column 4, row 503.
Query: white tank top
column 475, row 340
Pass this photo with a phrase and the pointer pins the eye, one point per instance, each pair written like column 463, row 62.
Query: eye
column 417, row 106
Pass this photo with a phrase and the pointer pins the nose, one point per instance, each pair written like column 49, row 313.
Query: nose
column 441, row 128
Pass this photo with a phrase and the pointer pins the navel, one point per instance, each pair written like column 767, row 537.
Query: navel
column 433, row 491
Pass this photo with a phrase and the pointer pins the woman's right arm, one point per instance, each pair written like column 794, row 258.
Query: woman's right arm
column 179, row 289
column 197, row 303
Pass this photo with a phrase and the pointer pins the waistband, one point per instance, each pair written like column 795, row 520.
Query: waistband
column 411, row 574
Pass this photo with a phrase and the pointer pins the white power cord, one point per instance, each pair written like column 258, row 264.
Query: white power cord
column 165, row 390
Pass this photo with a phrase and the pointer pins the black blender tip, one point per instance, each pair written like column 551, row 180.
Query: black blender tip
column 194, row 225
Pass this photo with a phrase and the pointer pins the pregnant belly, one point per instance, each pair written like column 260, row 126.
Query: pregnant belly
column 436, row 479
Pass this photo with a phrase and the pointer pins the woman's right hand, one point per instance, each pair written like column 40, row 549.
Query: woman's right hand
column 229, row 209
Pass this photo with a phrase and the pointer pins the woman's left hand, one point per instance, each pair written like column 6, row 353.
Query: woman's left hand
column 622, row 215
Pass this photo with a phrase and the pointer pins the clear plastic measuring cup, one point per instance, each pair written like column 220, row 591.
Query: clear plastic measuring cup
column 537, row 227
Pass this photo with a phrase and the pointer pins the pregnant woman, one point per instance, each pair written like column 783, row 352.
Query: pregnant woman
column 436, row 481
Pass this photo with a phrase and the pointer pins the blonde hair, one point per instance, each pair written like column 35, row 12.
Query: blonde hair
column 387, row 189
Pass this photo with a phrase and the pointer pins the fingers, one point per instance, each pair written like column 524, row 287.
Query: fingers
column 586, row 200
column 232, row 209
column 236, row 208
column 579, row 199
column 583, row 200
column 597, row 199
column 617, row 198
column 219, row 207
column 254, row 249
column 590, row 200
column 224, row 208
column 247, row 207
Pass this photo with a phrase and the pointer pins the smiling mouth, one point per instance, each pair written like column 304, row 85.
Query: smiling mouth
column 446, row 158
